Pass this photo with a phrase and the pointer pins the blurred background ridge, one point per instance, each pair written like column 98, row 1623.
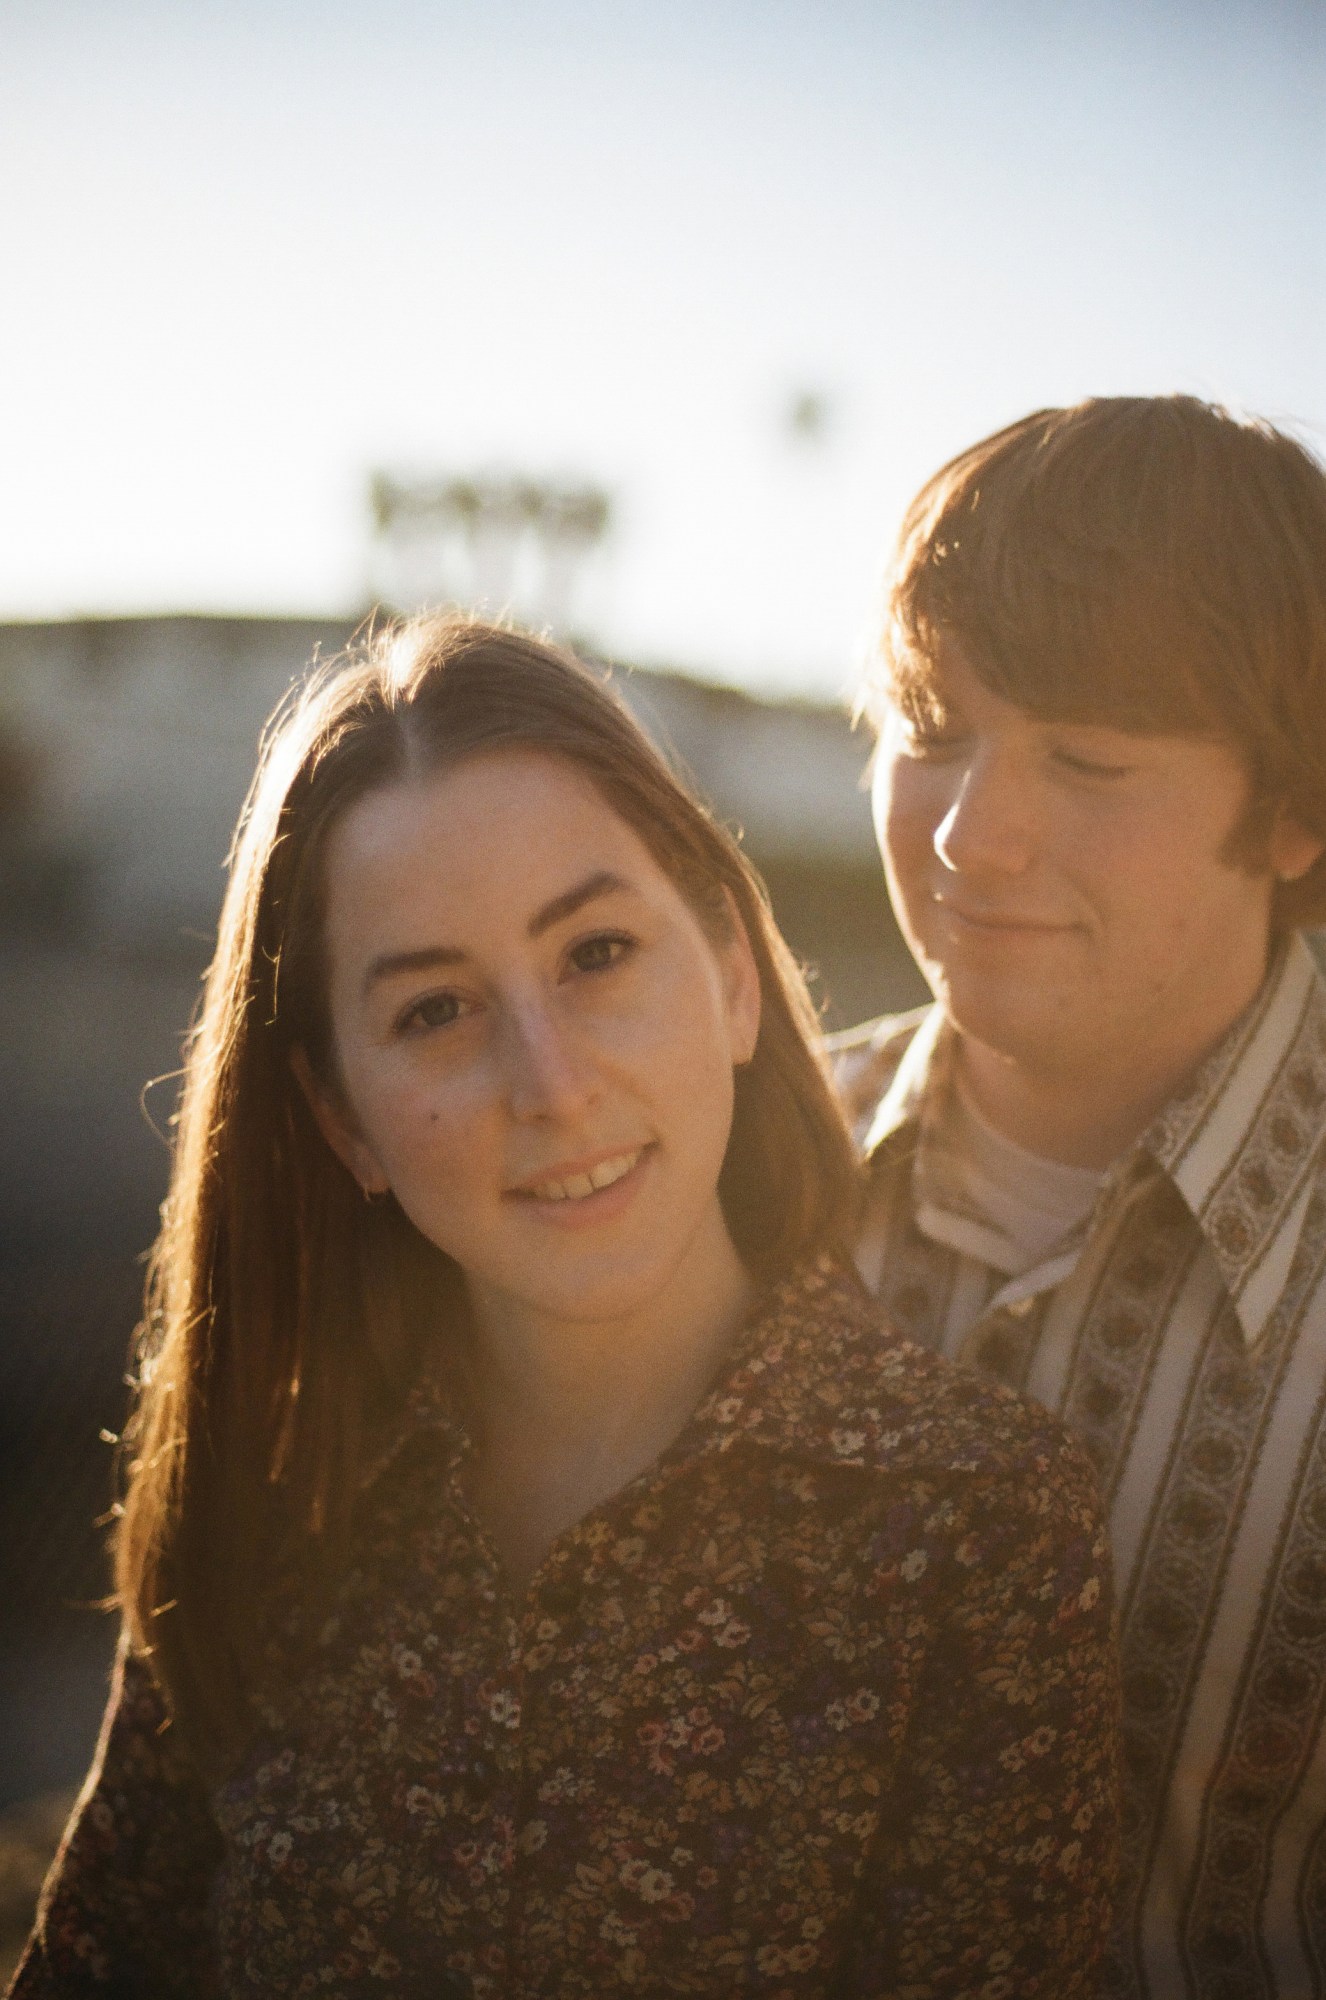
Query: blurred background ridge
column 754, row 270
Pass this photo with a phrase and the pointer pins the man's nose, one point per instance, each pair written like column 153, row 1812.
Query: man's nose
column 990, row 827
column 547, row 1073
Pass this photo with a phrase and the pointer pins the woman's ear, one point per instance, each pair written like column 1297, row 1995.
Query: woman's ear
column 741, row 981
column 338, row 1128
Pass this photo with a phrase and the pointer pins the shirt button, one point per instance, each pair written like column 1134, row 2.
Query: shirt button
column 1021, row 1307
column 561, row 1595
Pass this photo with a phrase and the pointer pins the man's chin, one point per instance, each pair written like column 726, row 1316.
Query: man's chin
column 1012, row 1020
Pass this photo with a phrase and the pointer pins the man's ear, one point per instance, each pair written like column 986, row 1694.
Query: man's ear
column 741, row 979
column 337, row 1127
column 1292, row 850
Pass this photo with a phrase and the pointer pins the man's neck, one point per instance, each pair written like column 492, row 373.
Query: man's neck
column 1052, row 1116
column 1086, row 1116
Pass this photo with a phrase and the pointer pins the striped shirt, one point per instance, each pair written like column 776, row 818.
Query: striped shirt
column 1180, row 1330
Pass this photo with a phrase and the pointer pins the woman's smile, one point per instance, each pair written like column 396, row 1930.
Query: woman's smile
column 535, row 1037
column 576, row 1193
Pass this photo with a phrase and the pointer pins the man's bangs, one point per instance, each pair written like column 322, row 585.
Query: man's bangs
column 1116, row 660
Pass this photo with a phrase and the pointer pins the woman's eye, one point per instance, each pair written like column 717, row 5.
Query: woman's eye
column 604, row 949
column 435, row 1010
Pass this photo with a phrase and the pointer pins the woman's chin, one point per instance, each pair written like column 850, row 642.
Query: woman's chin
column 604, row 1292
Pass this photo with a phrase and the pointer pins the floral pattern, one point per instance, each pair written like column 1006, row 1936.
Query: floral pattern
column 822, row 1703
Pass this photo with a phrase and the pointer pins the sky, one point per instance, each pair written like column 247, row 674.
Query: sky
column 251, row 250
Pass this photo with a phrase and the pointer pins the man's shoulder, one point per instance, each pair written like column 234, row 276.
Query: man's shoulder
column 865, row 1059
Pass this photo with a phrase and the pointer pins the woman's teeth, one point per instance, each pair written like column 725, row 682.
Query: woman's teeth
column 576, row 1186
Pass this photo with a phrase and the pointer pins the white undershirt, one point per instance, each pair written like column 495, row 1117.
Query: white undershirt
column 1029, row 1202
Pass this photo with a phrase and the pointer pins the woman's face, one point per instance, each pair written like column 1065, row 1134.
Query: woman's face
column 535, row 1037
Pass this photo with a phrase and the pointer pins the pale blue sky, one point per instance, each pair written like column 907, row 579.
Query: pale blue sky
column 248, row 251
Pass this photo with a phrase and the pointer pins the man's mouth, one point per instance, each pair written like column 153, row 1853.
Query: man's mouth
column 575, row 1186
column 997, row 920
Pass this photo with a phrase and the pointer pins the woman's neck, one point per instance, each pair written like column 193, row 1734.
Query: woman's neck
column 570, row 1411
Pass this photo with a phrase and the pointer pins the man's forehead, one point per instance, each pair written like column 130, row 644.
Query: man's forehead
column 951, row 676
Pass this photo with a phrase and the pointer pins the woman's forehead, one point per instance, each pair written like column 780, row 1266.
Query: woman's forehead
column 492, row 793
column 492, row 839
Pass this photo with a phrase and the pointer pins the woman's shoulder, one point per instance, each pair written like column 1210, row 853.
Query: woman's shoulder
column 850, row 1388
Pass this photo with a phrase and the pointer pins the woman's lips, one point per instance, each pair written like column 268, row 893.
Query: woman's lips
column 574, row 1183
column 586, row 1190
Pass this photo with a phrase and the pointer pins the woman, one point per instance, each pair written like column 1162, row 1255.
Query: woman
column 540, row 1574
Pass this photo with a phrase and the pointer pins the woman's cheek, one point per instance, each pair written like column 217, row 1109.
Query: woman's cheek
column 420, row 1131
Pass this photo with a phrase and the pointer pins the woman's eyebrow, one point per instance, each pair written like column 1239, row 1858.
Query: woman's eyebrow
column 602, row 883
column 430, row 958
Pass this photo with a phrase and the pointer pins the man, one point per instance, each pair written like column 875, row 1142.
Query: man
column 1098, row 1162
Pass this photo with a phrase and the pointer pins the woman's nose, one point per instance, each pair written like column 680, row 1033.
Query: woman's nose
column 990, row 826
column 547, row 1073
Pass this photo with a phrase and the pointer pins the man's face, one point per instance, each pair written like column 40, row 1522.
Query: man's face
column 1063, row 886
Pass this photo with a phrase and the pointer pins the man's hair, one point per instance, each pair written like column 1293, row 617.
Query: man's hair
column 1148, row 562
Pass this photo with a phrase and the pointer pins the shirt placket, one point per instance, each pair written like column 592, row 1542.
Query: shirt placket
column 503, row 1771
column 551, row 1610
column 1003, row 1339
column 488, row 1764
column 553, row 1631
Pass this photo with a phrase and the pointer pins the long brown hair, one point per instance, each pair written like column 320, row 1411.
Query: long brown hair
column 1150, row 562
column 284, row 1314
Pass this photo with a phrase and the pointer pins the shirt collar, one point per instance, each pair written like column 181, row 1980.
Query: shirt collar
column 1241, row 1141
column 819, row 1378
column 912, row 1100
column 911, row 1113
column 427, row 1410
column 811, row 1374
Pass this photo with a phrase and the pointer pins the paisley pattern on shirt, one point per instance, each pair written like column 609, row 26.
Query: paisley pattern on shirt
column 1184, row 1344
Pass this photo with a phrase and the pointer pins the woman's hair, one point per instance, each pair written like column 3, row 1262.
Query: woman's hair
column 1148, row 562
column 285, row 1314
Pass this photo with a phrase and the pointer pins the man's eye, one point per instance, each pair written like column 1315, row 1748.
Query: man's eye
column 931, row 740
column 435, row 1010
column 1091, row 767
column 604, row 949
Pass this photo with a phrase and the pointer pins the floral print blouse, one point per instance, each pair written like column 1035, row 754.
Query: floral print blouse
column 822, row 1704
